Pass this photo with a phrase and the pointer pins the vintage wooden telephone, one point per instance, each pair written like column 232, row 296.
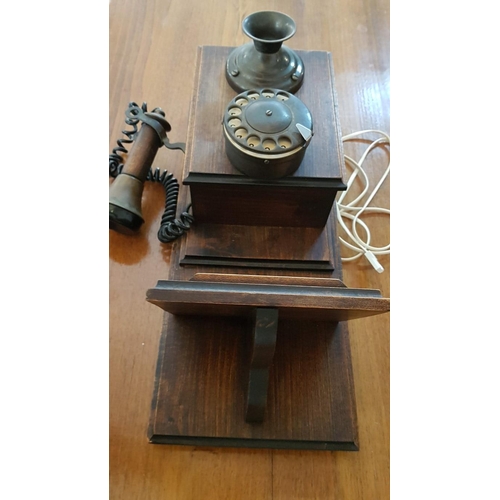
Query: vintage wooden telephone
column 263, row 168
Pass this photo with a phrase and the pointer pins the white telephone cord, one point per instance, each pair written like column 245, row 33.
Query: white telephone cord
column 353, row 211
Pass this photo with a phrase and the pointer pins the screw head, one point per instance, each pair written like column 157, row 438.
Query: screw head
column 235, row 72
column 269, row 112
column 295, row 77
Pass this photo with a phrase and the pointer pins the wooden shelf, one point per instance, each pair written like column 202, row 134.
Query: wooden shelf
column 301, row 302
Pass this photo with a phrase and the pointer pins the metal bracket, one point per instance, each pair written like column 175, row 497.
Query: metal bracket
column 156, row 121
column 299, row 69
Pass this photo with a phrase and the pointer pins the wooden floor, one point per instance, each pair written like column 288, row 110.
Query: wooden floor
column 152, row 52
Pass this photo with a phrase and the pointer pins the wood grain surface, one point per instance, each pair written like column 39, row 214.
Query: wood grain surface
column 321, row 162
column 220, row 194
column 151, row 54
column 240, row 299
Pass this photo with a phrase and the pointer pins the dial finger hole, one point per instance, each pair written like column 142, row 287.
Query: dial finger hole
column 241, row 101
column 284, row 142
column 253, row 141
column 268, row 144
column 234, row 122
column 268, row 94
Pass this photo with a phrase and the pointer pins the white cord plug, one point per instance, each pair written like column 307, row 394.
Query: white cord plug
column 353, row 210
column 374, row 261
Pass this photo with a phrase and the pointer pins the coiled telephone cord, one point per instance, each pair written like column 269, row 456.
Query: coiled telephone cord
column 170, row 227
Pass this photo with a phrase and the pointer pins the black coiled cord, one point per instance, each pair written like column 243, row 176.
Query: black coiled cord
column 115, row 158
column 170, row 227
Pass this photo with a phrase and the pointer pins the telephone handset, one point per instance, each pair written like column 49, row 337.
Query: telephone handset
column 265, row 127
column 125, row 193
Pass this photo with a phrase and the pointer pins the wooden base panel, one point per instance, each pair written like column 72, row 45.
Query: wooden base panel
column 201, row 386
column 275, row 444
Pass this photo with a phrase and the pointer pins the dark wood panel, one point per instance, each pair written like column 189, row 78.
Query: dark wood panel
column 256, row 205
column 257, row 246
column 206, row 154
column 308, row 410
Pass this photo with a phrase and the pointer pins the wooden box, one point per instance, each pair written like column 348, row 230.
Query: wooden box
column 220, row 194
